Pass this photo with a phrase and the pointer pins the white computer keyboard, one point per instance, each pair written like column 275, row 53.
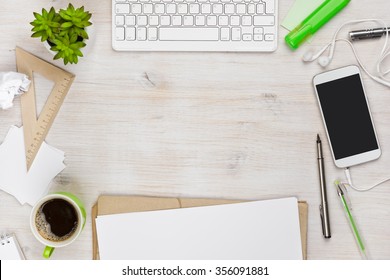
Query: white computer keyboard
column 195, row 25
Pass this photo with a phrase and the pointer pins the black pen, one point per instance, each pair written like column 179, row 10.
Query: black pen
column 324, row 201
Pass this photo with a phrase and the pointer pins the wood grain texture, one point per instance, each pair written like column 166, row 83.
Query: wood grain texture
column 211, row 125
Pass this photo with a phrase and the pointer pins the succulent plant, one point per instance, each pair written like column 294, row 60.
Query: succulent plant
column 64, row 31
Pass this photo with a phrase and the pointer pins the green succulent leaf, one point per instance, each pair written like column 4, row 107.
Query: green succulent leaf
column 66, row 25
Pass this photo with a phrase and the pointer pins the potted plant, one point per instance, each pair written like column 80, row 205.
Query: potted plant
column 65, row 31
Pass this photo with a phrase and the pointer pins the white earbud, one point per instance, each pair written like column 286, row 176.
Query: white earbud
column 309, row 56
column 324, row 61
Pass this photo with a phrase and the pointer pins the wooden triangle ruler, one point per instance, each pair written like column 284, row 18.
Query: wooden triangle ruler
column 36, row 128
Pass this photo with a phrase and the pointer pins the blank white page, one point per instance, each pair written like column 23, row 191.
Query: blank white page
column 266, row 229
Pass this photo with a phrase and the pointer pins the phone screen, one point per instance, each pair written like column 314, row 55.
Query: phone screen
column 347, row 116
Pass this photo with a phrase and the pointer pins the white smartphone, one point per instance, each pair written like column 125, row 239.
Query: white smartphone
column 347, row 117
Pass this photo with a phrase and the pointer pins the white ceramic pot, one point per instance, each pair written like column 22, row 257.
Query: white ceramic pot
column 89, row 42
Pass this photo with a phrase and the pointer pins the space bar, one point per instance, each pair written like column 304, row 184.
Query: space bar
column 189, row 34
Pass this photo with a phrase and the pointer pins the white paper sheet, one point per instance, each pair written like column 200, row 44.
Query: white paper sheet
column 246, row 231
column 27, row 187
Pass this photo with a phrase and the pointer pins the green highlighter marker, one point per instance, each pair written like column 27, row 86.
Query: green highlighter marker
column 351, row 220
column 314, row 21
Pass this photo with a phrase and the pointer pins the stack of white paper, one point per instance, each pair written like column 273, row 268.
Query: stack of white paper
column 256, row 230
column 27, row 187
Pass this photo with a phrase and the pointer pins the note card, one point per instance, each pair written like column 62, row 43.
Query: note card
column 27, row 187
column 10, row 248
column 266, row 229
column 299, row 11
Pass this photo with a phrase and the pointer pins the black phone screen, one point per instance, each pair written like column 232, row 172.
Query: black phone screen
column 347, row 116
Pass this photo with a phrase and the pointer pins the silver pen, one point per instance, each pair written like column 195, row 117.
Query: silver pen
column 368, row 33
column 324, row 201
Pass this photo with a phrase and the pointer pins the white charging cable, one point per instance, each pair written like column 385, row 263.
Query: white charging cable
column 350, row 184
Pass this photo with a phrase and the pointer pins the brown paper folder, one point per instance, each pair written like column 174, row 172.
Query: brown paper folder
column 124, row 204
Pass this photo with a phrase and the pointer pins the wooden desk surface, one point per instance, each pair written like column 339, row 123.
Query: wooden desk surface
column 215, row 125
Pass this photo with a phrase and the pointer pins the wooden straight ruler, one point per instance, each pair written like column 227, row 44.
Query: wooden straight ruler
column 36, row 127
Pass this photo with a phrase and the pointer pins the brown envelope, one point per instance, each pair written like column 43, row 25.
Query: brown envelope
column 124, row 204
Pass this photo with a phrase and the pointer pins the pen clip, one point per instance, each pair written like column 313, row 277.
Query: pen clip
column 322, row 219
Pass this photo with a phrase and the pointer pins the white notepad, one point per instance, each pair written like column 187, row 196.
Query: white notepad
column 266, row 229
column 10, row 249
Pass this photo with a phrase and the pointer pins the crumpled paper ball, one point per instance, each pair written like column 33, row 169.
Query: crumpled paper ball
column 12, row 84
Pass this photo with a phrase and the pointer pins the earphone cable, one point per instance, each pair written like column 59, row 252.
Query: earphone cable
column 380, row 78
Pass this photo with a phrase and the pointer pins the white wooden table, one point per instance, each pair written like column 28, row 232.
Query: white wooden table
column 216, row 125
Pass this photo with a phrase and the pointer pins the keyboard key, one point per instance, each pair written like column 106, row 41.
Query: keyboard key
column 247, row 37
column 200, row 20
column 241, row 9
column 211, row 20
column 258, row 37
column 176, row 20
column 136, row 8
column 182, row 8
column 159, row 8
column 206, row 8
column 269, row 6
column 142, row 20
column 165, row 20
column 188, row 34
column 152, row 36
column 171, row 9
column 148, row 8
column 153, row 20
column 229, row 9
column 236, row 34
column 269, row 37
column 258, row 30
column 251, row 9
column 235, row 20
column 122, row 8
column 130, row 33
column 263, row 20
column 119, row 20
column 246, row 20
column 223, row 20
column 120, row 33
column 217, row 8
column 141, row 34
column 188, row 20
column 225, row 34
column 194, row 8
column 130, row 20
column 260, row 8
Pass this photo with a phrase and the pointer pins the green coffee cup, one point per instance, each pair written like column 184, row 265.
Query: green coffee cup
column 57, row 220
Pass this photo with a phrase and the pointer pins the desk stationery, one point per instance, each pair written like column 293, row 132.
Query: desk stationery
column 238, row 126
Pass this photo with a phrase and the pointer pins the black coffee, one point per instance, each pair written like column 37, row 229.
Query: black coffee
column 56, row 220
